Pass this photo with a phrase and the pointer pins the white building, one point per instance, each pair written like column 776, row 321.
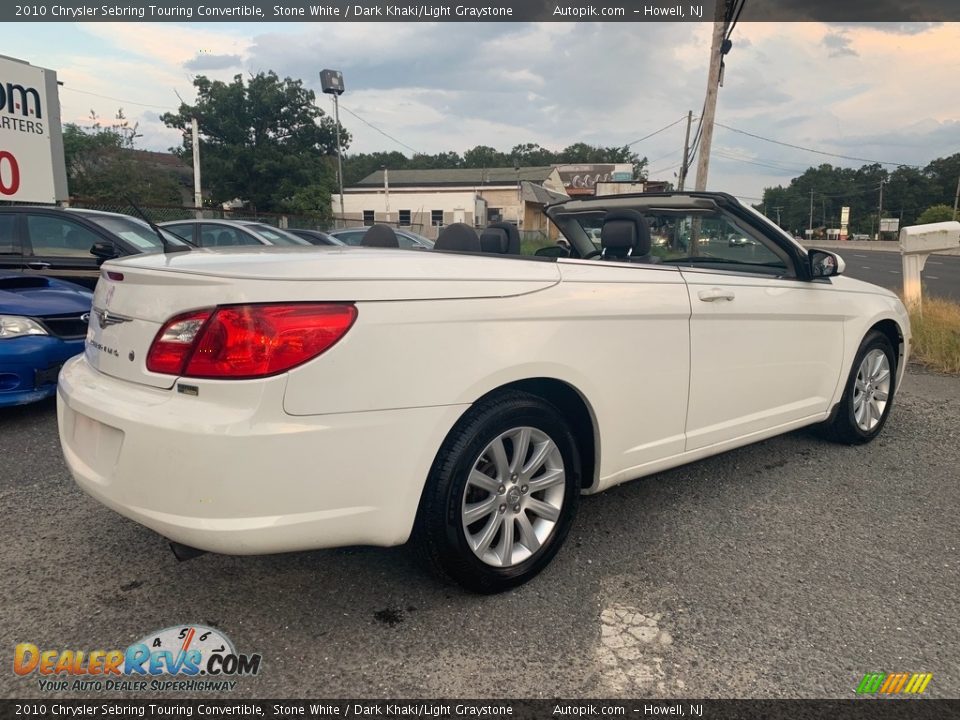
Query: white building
column 427, row 199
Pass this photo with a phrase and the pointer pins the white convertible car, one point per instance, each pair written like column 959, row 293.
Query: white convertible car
column 263, row 400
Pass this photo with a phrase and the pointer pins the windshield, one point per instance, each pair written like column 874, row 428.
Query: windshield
column 136, row 232
column 276, row 236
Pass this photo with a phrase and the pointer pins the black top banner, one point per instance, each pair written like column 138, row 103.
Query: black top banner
column 840, row 11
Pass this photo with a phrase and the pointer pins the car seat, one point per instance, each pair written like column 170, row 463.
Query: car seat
column 625, row 236
column 458, row 237
column 502, row 238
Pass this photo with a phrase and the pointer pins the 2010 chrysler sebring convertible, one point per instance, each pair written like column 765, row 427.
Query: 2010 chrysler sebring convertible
column 267, row 400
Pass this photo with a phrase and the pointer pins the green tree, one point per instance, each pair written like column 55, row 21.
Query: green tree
column 484, row 156
column 943, row 173
column 102, row 165
column 532, row 155
column 263, row 141
column 357, row 166
column 935, row 214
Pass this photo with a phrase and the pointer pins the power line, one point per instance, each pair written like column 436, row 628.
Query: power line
column 761, row 162
column 657, row 132
column 672, row 152
column 662, row 170
column 812, row 150
column 736, row 16
column 119, row 100
column 369, row 124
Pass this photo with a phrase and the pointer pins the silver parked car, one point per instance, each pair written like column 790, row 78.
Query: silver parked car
column 231, row 233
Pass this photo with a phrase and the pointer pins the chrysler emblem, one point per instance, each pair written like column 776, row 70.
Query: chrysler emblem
column 105, row 318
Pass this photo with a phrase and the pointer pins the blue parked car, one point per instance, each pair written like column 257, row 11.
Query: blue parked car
column 43, row 322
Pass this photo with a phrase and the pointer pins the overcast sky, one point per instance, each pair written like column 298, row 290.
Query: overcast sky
column 884, row 92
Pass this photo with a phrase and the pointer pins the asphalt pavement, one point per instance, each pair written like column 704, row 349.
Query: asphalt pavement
column 940, row 276
column 786, row 569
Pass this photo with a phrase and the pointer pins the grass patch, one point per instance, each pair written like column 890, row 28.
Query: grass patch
column 936, row 335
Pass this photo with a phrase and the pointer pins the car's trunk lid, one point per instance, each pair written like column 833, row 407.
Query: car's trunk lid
column 136, row 295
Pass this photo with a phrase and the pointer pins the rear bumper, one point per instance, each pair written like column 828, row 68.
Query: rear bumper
column 242, row 477
column 29, row 367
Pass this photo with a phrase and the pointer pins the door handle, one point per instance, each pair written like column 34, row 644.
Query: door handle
column 38, row 265
column 714, row 294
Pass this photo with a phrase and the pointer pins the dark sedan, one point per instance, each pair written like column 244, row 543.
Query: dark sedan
column 70, row 244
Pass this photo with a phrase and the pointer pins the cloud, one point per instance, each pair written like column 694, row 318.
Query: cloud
column 873, row 90
column 209, row 61
column 838, row 45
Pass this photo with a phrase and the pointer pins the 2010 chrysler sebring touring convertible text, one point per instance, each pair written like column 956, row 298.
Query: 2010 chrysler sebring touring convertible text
column 262, row 400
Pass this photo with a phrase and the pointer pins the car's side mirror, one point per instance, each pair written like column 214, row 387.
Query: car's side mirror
column 103, row 250
column 552, row 251
column 825, row 264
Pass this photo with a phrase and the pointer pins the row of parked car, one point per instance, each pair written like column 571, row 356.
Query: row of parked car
column 50, row 261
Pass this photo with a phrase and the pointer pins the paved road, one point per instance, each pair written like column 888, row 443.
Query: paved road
column 941, row 274
column 786, row 569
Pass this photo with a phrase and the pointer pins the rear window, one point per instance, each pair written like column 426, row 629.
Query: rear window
column 277, row 237
column 136, row 232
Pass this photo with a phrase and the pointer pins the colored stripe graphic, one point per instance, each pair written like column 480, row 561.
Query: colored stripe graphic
column 894, row 683
column 918, row 683
column 871, row 683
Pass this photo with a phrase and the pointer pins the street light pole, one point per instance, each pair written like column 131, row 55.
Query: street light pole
column 336, row 119
column 331, row 82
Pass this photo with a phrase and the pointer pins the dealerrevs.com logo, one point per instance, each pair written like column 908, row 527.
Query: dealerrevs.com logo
column 188, row 658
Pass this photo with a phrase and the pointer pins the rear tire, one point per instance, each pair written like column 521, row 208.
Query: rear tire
column 868, row 396
column 501, row 495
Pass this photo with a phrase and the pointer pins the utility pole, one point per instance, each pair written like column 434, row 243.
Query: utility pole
column 956, row 199
column 386, row 190
column 810, row 235
column 685, row 167
column 197, row 193
column 880, row 211
column 719, row 46
column 778, row 208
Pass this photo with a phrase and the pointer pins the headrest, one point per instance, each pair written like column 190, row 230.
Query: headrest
column 501, row 237
column 380, row 236
column 458, row 236
column 624, row 233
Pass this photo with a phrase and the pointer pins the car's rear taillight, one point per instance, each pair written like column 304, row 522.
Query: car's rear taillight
column 172, row 346
column 248, row 341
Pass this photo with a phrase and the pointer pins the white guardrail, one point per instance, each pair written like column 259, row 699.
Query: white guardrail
column 917, row 243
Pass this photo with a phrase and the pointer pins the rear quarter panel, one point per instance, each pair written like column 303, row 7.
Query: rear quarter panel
column 619, row 336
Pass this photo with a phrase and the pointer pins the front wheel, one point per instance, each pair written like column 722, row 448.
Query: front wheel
column 501, row 495
column 868, row 396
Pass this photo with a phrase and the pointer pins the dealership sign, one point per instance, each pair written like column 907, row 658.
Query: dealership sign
column 31, row 144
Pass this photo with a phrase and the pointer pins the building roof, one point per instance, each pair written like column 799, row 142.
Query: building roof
column 162, row 161
column 533, row 193
column 469, row 177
